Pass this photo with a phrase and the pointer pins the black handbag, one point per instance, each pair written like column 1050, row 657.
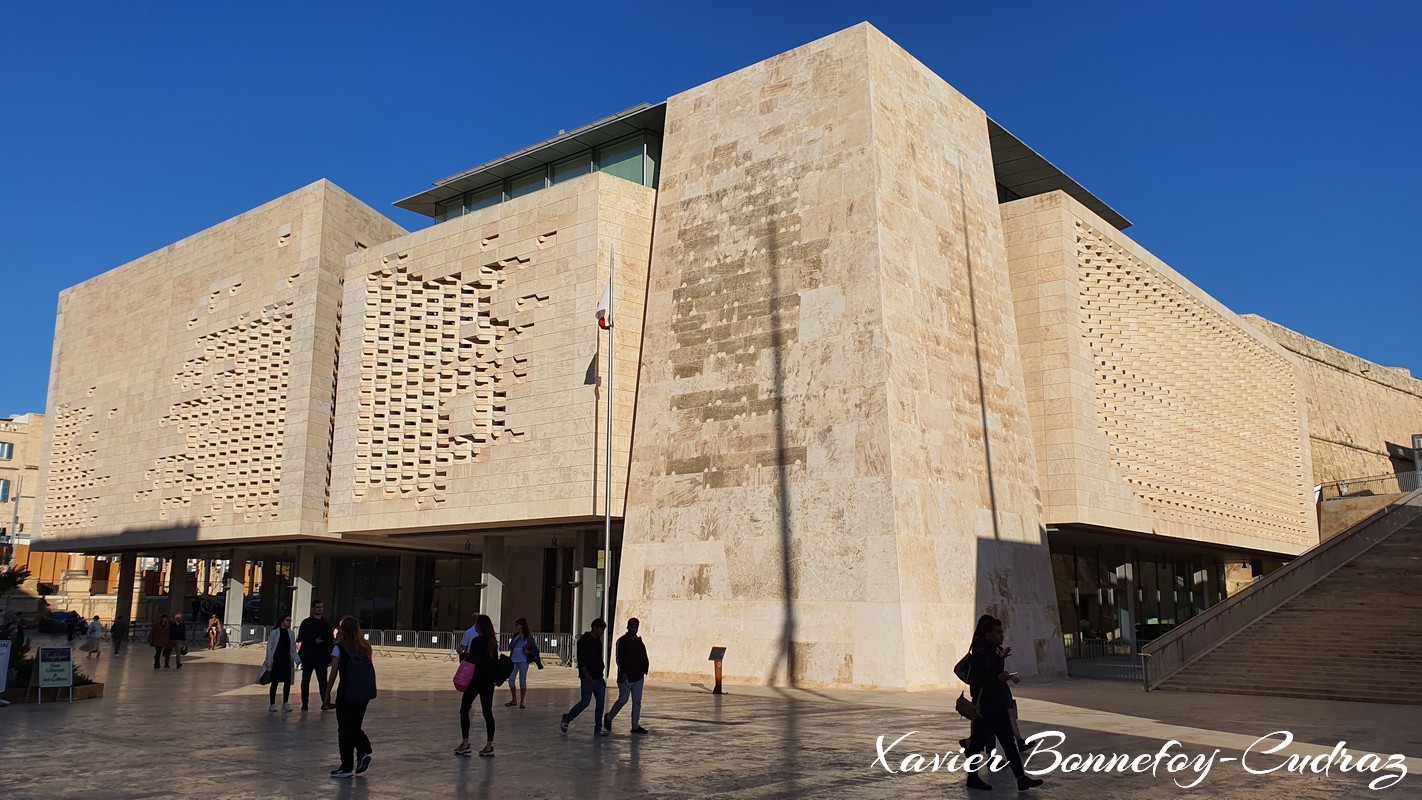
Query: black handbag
column 266, row 677
column 967, row 709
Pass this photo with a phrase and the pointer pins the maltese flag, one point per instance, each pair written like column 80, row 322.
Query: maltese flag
column 604, row 308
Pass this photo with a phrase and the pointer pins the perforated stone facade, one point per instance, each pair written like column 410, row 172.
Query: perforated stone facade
column 192, row 388
column 1154, row 408
column 471, row 392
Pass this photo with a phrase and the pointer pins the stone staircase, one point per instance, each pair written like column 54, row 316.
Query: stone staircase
column 1356, row 634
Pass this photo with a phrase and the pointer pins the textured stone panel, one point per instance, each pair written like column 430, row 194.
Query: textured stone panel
column 469, row 387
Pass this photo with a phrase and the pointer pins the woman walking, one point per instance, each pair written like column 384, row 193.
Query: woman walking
column 483, row 651
column 281, row 662
column 92, row 636
column 214, row 631
column 352, row 681
column 519, row 648
column 988, row 678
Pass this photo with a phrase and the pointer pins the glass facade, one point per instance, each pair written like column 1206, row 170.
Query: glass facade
column 1117, row 596
column 635, row 158
column 367, row 589
column 447, row 592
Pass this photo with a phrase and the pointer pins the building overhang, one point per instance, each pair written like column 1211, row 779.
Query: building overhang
column 645, row 117
column 1023, row 172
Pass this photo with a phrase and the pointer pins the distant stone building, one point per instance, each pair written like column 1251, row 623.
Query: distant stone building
column 879, row 368
column 21, row 446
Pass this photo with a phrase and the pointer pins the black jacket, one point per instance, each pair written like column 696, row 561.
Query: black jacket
column 177, row 631
column 486, row 664
column 590, row 655
column 312, row 629
column 631, row 658
column 984, row 667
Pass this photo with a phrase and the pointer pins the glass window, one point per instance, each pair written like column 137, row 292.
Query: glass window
column 654, row 158
column 449, row 209
column 623, row 159
column 528, row 182
column 7, row 451
column 4, row 491
column 580, row 164
column 485, row 197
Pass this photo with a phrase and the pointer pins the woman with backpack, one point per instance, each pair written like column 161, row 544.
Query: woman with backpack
column 352, row 681
column 483, row 653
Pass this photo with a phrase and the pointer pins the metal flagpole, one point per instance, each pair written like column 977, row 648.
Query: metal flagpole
column 607, row 475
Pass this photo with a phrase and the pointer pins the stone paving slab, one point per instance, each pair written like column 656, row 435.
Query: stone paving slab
column 205, row 732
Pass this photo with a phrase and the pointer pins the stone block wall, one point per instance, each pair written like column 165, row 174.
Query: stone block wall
column 809, row 480
column 1361, row 415
column 25, row 435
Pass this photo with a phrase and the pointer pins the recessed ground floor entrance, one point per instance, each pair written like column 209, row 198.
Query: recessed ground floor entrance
column 1116, row 592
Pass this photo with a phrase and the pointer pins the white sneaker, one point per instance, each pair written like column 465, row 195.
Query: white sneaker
column 273, row 708
column 286, row 706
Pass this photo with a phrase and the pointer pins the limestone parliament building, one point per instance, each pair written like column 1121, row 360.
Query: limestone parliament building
column 878, row 367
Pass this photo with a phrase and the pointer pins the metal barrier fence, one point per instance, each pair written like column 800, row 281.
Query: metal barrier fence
column 397, row 642
column 1100, row 659
column 553, row 648
column 247, row 633
column 429, row 643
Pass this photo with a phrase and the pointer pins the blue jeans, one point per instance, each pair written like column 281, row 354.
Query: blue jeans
column 594, row 688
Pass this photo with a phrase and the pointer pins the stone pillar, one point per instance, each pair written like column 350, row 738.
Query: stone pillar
column 235, row 588
column 1238, row 576
column 178, row 587
column 491, row 598
column 405, row 595
column 267, row 592
column 75, row 582
column 123, row 601
column 587, row 605
column 303, row 583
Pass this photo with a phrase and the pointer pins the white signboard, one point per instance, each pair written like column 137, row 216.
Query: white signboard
column 56, row 667
column 4, row 663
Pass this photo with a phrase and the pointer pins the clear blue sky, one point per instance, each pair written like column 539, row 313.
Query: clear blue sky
column 1268, row 151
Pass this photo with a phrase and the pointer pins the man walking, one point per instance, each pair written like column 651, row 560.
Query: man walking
column 313, row 643
column 178, row 640
column 591, row 681
column 118, row 632
column 631, row 672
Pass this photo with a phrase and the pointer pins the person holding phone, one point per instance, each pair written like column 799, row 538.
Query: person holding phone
column 988, row 680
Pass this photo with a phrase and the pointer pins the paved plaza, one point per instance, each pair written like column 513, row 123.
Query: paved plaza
column 205, row 732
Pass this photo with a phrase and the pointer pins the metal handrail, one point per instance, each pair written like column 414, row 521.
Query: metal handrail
column 1396, row 483
column 1164, row 657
